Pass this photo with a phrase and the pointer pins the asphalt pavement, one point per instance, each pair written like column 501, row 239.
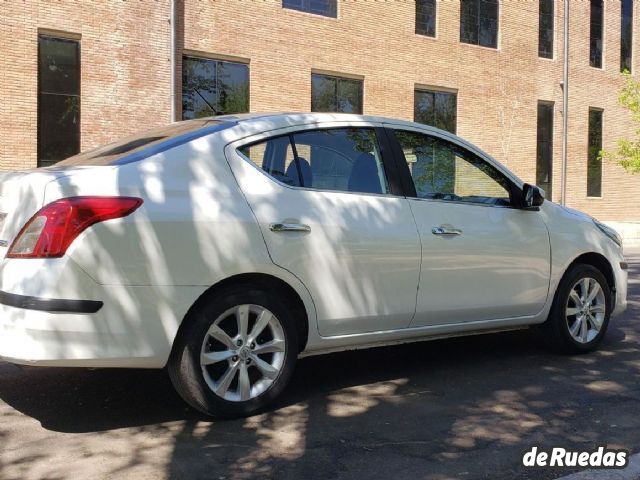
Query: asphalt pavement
column 460, row 409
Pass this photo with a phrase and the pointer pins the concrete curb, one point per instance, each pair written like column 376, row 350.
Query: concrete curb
column 632, row 472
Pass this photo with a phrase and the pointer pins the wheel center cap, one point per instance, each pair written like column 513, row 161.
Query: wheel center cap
column 243, row 353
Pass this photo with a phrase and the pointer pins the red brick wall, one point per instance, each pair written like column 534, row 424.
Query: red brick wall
column 125, row 73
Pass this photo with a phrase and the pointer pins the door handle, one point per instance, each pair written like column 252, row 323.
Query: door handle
column 446, row 231
column 289, row 227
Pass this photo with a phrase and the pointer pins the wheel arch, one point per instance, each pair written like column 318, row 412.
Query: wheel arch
column 262, row 280
column 598, row 261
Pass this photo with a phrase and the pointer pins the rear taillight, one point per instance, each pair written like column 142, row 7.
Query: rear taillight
column 49, row 232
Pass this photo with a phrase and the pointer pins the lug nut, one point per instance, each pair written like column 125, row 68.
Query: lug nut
column 248, row 361
column 234, row 358
column 252, row 346
column 239, row 343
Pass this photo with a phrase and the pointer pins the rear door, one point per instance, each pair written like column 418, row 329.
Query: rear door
column 483, row 258
column 332, row 213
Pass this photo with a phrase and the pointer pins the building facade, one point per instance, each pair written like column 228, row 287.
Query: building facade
column 79, row 74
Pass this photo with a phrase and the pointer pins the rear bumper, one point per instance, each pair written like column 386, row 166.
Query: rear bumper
column 51, row 305
column 34, row 337
column 53, row 314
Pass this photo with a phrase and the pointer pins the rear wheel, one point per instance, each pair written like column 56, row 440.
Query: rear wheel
column 236, row 353
column 580, row 312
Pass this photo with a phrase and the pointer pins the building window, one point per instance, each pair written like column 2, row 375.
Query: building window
column 426, row 17
column 58, row 99
column 213, row 87
column 327, row 8
column 335, row 94
column 479, row 22
column 626, row 35
column 544, row 150
column 595, row 35
column 594, row 163
column 545, row 29
column 437, row 109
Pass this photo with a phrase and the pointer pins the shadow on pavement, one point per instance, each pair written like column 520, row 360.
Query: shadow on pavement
column 451, row 409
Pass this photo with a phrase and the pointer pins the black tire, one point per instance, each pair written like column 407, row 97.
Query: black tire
column 555, row 331
column 184, row 366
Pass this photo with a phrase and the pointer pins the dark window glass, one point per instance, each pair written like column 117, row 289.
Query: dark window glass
column 58, row 99
column 545, row 29
column 444, row 171
column 479, row 22
column 341, row 159
column 327, row 8
column 437, row 109
column 594, row 162
column 116, row 152
column 626, row 35
column 426, row 17
column 335, row 94
column 595, row 35
column 544, row 150
column 213, row 83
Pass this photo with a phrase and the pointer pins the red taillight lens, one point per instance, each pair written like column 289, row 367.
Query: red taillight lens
column 49, row 232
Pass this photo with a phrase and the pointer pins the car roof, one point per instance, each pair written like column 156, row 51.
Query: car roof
column 301, row 118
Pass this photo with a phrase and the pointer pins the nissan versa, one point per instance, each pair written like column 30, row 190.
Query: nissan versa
column 226, row 248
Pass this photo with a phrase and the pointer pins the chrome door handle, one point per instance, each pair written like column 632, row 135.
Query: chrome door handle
column 446, row 231
column 289, row 227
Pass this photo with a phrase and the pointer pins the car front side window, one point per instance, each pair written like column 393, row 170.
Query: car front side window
column 337, row 159
column 442, row 170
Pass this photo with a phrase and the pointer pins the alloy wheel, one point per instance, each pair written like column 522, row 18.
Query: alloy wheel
column 585, row 310
column 243, row 353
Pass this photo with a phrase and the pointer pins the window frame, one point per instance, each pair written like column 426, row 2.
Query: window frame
column 552, row 106
column 338, row 78
column 602, row 33
column 43, row 162
column 419, row 30
column 396, row 188
column 434, row 92
column 217, row 61
column 515, row 190
column 332, row 14
column 622, row 39
column 478, row 25
column 542, row 54
column 589, row 146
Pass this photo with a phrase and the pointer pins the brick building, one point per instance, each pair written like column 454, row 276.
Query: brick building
column 76, row 74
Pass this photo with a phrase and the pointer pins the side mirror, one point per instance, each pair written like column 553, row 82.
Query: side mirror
column 532, row 197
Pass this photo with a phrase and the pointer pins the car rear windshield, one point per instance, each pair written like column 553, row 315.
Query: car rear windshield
column 135, row 147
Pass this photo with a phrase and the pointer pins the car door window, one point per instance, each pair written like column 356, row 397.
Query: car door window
column 340, row 159
column 442, row 170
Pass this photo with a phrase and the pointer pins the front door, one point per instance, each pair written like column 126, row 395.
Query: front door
column 482, row 257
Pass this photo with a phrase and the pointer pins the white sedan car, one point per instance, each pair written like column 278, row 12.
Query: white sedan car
column 226, row 248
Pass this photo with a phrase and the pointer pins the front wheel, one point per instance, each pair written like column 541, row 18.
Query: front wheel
column 236, row 353
column 580, row 312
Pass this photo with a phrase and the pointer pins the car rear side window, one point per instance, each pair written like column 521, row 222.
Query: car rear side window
column 339, row 159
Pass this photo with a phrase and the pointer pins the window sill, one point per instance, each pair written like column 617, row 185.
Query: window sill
column 311, row 14
column 428, row 37
column 474, row 45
